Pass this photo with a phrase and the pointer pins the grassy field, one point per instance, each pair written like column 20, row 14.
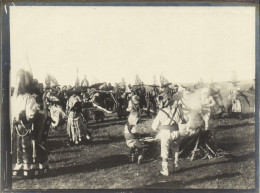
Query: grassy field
column 104, row 163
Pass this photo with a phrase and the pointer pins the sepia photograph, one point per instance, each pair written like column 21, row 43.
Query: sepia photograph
column 129, row 97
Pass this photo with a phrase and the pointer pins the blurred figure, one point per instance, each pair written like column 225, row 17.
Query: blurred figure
column 74, row 123
column 28, row 127
column 121, row 101
column 142, row 96
column 57, row 114
column 151, row 100
column 218, row 109
column 207, row 102
column 110, row 87
column 234, row 107
column 85, row 82
column 64, row 88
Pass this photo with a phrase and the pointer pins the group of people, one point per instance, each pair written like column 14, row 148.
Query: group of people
column 172, row 112
column 36, row 110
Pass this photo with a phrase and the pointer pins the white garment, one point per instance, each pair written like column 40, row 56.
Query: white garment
column 56, row 114
column 163, row 119
column 169, row 138
column 167, row 116
column 131, row 141
column 236, row 106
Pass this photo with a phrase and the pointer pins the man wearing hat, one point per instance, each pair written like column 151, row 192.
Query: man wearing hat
column 166, row 122
column 166, row 89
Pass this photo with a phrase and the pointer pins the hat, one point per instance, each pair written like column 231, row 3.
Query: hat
column 164, row 85
column 135, row 99
column 154, row 85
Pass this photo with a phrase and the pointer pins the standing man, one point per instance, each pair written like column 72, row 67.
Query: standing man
column 151, row 99
column 142, row 96
column 166, row 122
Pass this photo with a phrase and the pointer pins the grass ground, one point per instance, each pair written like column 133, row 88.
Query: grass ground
column 103, row 164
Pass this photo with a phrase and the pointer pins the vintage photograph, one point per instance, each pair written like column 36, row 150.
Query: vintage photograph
column 132, row 97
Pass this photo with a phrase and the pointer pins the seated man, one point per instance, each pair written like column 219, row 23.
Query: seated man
column 130, row 132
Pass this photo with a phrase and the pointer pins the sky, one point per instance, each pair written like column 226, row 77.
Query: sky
column 185, row 44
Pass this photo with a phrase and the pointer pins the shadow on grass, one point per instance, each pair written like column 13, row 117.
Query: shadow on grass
column 230, row 159
column 55, row 144
column 106, row 123
column 225, row 115
column 228, row 146
column 248, row 115
column 58, row 161
column 66, row 151
column 226, row 127
column 102, row 163
column 111, row 122
column 181, row 184
column 107, row 141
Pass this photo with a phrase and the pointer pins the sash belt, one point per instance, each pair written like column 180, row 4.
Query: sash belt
column 173, row 127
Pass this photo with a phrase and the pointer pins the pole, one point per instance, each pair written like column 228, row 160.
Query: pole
column 6, row 161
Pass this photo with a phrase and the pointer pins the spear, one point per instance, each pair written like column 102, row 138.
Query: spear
column 28, row 63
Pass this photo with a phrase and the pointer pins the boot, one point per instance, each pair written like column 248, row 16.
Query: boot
column 76, row 142
column 140, row 159
column 132, row 155
column 176, row 167
column 140, row 155
column 165, row 170
column 18, row 166
column 176, row 162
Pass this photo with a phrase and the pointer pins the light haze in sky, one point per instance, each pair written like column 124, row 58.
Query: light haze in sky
column 184, row 44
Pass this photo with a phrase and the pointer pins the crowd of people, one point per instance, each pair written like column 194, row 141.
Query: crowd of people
column 37, row 109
